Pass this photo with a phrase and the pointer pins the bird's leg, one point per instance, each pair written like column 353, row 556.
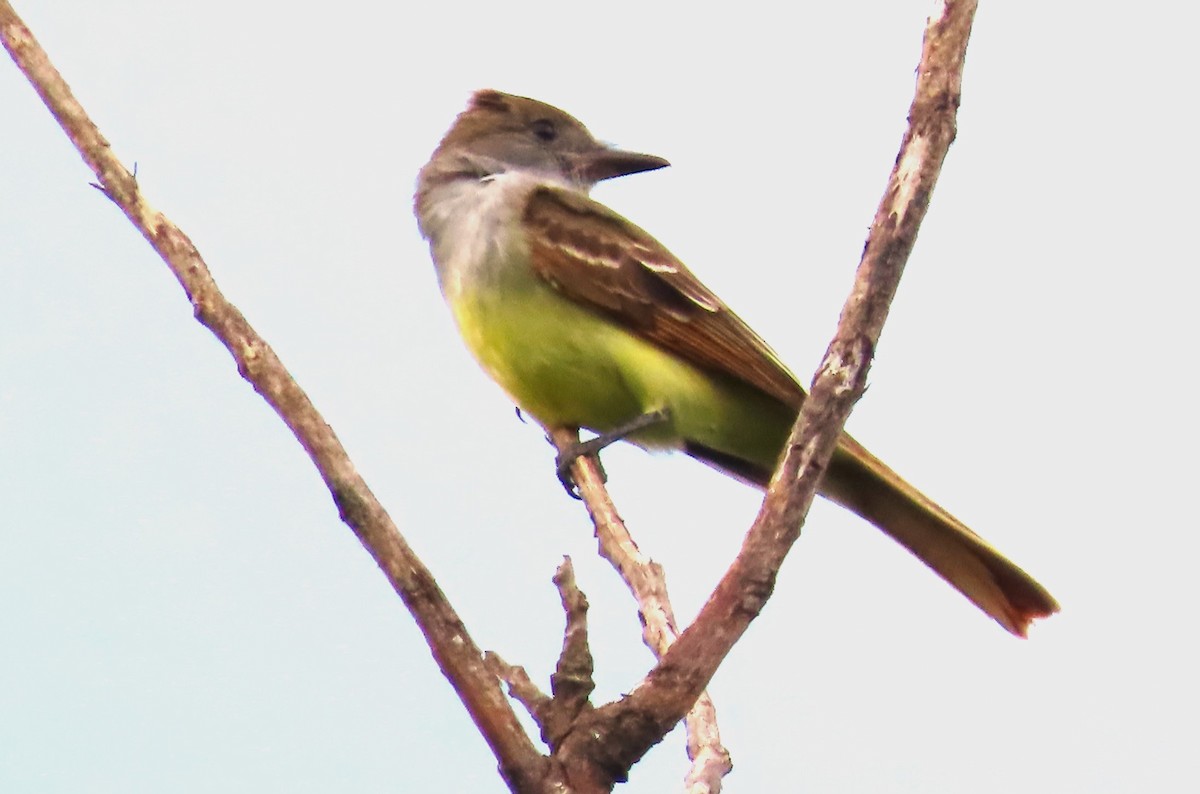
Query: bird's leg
column 592, row 446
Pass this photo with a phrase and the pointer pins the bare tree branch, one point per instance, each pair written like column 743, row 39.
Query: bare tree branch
column 634, row 724
column 600, row 744
column 520, row 686
column 459, row 658
column 571, row 683
column 572, row 680
column 645, row 580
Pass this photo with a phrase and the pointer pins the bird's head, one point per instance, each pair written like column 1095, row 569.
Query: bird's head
column 500, row 132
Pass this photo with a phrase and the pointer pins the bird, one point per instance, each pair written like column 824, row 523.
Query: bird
column 587, row 321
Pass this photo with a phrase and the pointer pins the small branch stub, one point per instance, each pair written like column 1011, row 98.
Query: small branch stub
column 571, row 684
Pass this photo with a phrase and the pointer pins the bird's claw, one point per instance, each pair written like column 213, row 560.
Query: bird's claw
column 565, row 459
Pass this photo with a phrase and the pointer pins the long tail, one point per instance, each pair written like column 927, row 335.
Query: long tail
column 862, row 483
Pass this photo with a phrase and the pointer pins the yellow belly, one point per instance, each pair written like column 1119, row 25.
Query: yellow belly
column 568, row 366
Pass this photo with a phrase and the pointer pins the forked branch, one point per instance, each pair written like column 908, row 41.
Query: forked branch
column 634, row 724
column 604, row 742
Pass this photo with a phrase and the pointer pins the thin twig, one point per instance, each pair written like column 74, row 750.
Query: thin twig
column 459, row 658
column 520, row 686
column 645, row 580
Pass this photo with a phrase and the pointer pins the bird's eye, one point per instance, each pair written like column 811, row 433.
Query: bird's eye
column 544, row 130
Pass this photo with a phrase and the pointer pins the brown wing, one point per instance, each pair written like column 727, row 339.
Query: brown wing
column 599, row 259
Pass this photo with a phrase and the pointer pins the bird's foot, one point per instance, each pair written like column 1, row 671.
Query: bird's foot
column 566, row 458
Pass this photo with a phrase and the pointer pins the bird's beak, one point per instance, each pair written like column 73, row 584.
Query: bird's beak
column 606, row 163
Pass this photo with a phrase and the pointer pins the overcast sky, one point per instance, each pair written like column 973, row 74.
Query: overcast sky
column 181, row 609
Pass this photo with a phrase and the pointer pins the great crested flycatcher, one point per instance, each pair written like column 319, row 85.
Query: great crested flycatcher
column 588, row 321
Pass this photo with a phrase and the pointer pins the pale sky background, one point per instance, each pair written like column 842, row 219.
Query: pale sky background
column 182, row 611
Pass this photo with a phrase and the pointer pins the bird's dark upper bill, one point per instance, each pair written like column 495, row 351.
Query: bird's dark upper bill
column 607, row 163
